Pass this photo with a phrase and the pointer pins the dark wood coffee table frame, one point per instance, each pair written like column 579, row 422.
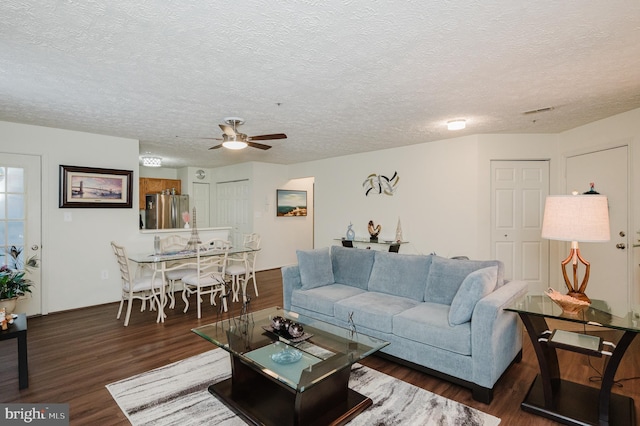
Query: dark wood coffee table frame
column 265, row 395
column 262, row 400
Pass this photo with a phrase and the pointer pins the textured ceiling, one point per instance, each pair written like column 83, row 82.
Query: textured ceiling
column 338, row 77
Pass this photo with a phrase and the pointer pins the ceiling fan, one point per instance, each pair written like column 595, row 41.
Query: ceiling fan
column 233, row 139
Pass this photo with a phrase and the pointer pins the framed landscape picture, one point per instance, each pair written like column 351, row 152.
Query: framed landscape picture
column 291, row 203
column 93, row 187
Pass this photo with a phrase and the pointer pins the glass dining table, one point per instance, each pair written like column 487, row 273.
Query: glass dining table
column 160, row 263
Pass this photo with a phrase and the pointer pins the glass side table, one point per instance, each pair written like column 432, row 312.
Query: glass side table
column 564, row 401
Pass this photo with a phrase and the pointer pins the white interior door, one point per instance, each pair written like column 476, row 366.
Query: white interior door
column 201, row 199
column 20, row 218
column 608, row 286
column 519, row 190
column 233, row 208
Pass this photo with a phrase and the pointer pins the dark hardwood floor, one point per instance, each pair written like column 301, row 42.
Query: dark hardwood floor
column 74, row 354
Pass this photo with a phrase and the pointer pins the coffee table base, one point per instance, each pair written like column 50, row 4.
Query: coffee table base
column 262, row 401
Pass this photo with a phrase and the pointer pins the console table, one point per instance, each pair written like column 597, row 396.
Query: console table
column 18, row 330
column 394, row 246
column 562, row 400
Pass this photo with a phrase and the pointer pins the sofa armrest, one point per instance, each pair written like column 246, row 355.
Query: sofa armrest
column 496, row 334
column 290, row 281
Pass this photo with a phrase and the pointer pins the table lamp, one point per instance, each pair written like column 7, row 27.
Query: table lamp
column 576, row 218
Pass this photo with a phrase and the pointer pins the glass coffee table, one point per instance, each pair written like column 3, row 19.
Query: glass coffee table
column 277, row 379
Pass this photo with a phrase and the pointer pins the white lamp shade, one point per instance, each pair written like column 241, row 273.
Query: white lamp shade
column 582, row 218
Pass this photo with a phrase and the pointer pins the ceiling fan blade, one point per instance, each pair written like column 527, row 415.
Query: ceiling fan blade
column 228, row 130
column 268, row 137
column 188, row 137
column 258, row 145
column 216, row 147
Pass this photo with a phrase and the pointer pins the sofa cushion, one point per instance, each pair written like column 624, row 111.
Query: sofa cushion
column 446, row 276
column 428, row 323
column 322, row 299
column 372, row 310
column 403, row 275
column 473, row 288
column 352, row 266
column 315, row 267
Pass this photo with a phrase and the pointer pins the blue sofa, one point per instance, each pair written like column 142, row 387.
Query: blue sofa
column 443, row 316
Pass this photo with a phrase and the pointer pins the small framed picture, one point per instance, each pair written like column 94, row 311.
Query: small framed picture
column 94, row 187
column 291, row 203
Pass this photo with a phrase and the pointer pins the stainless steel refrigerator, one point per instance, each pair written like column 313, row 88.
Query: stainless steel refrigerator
column 165, row 211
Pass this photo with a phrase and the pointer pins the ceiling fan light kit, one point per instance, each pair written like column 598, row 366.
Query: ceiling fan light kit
column 233, row 144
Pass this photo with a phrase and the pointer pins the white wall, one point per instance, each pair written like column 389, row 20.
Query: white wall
column 280, row 236
column 74, row 253
column 621, row 129
column 442, row 198
column 158, row 172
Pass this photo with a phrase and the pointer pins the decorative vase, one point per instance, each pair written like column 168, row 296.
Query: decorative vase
column 399, row 231
column 351, row 234
column 9, row 305
column 186, row 225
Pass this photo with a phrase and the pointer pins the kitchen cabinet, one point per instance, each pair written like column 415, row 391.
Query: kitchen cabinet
column 156, row 186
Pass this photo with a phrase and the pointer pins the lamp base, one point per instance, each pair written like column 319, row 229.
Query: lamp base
column 575, row 291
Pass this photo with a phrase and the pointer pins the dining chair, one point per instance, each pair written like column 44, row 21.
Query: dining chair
column 211, row 261
column 176, row 270
column 242, row 268
column 145, row 288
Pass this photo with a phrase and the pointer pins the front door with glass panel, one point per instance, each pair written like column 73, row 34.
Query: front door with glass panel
column 20, row 212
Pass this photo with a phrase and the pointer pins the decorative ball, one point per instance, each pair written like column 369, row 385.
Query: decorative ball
column 279, row 323
column 296, row 330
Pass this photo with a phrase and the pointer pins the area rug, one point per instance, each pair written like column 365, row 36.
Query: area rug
column 177, row 395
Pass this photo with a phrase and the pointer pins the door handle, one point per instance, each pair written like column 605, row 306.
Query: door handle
column 621, row 246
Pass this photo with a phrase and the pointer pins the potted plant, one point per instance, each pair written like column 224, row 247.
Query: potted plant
column 13, row 280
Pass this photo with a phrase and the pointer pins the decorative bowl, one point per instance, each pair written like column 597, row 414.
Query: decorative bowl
column 570, row 305
column 286, row 356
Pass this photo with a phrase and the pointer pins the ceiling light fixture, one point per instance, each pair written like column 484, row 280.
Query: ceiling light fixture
column 456, row 124
column 152, row 161
column 230, row 142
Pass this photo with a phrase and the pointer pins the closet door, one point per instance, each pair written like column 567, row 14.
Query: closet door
column 519, row 190
column 233, row 208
